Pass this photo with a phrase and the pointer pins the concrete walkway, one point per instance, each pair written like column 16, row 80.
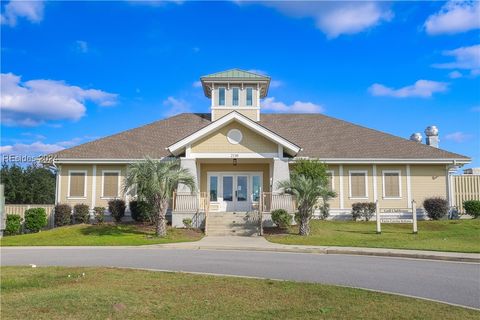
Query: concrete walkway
column 261, row 244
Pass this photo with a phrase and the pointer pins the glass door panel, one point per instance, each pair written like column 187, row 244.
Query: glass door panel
column 242, row 189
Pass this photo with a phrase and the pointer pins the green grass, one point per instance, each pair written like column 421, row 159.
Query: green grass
column 100, row 235
column 444, row 235
column 105, row 293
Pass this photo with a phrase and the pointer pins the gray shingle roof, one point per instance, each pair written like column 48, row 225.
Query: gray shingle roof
column 319, row 136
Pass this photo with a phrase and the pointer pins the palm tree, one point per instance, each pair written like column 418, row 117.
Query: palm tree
column 155, row 181
column 308, row 183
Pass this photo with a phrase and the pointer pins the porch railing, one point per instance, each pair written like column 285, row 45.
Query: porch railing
column 273, row 201
column 190, row 201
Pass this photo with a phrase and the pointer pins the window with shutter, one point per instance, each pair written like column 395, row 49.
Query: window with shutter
column 358, row 185
column 110, row 184
column 77, row 184
column 391, row 184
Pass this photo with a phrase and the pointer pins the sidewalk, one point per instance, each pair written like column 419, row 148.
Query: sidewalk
column 260, row 244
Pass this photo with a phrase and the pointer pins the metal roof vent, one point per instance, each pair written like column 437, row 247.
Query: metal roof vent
column 432, row 136
column 417, row 137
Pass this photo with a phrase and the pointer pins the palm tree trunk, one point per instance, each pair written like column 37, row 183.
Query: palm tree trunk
column 304, row 229
column 161, row 228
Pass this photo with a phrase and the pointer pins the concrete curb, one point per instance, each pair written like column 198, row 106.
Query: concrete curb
column 457, row 257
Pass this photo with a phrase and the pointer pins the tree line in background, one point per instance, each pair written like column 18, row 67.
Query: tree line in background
column 33, row 184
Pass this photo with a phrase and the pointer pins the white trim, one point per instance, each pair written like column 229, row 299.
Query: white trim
column 340, row 175
column 233, row 155
column 119, row 172
column 234, row 132
column 409, row 188
column 58, row 186
column 85, row 172
column 399, row 172
column 235, row 107
column 365, row 172
column 188, row 151
column 333, row 178
column 385, row 160
column 280, row 151
column 375, row 191
column 234, row 115
column 94, row 185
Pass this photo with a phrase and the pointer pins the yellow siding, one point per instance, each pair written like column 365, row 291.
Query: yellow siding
column 335, row 202
column 392, row 203
column 64, row 184
column 428, row 181
column 225, row 167
column 251, row 142
column 100, row 201
column 249, row 113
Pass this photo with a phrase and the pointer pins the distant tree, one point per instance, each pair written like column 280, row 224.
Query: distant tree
column 31, row 185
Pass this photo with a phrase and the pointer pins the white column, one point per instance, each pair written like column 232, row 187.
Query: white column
column 409, row 188
column 191, row 165
column 414, row 216
column 280, row 172
column 59, row 185
column 340, row 193
column 374, row 175
column 94, row 186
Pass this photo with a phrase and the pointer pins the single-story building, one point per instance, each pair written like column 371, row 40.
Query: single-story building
column 238, row 154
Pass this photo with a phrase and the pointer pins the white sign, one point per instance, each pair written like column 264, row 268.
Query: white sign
column 393, row 210
column 394, row 220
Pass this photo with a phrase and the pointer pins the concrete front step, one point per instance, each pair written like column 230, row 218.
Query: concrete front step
column 230, row 224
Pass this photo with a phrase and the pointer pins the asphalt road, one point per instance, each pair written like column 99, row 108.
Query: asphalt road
column 452, row 282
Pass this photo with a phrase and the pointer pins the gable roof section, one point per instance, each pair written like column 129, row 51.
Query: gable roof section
column 290, row 147
column 319, row 136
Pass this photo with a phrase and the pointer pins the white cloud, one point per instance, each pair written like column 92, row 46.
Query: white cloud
column 197, row 84
column 258, row 71
column 81, row 46
column 336, row 18
column 455, row 75
column 276, row 83
column 154, row 3
column 30, row 10
column 466, row 58
column 454, row 17
column 458, row 136
column 421, row 88
column 269, row 104
column 175, row 106
column 35, row 148
column 33, row 102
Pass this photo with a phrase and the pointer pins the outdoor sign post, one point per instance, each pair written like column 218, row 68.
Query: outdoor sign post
column 379, row 223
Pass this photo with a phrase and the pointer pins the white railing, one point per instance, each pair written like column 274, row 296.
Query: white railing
column 273, row 201
column 190, row 202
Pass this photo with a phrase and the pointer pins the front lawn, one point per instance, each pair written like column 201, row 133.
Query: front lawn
column 107, row 234
column 444, row 235
column 106, row 293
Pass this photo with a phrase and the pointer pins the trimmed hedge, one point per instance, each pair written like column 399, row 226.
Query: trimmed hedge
column 117, row 209
column 99, row 214
column 364, row 210
column 35, row 219
column 81, row 213
column 141, row 211
column 281, row 218
column 436, row 207
column 472, row 208
column 13, row 224
column 63, row 214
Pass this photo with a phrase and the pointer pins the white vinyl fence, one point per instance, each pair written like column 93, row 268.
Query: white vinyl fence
column 466, row 187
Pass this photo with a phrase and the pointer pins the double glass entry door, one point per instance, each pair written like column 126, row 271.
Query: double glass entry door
column 234, row 192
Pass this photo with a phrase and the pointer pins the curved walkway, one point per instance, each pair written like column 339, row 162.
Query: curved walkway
column 451, row 282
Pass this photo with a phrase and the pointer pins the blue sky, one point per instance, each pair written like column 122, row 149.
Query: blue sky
column 77, row 71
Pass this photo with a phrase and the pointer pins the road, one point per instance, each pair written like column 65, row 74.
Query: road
column 451, row 282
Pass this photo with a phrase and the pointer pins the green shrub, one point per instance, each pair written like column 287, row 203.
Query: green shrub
column 187, row 222
column 436, row 207
column 141, row 211
column 35, row 219
column 281, row 218
column 324, row 211
column 472, row 208
column 63, row 214
column 81, row 213
column 364, row 210
column 99, row 214
column 117, row 209
column 13, row 224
